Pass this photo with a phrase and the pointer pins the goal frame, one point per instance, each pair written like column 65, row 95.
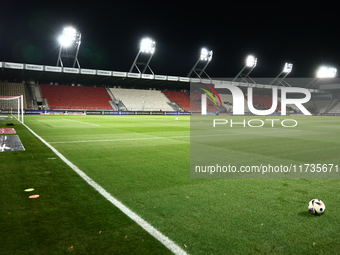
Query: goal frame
column 19, row 114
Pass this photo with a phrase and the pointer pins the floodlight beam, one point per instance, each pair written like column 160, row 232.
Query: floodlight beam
column 251, row 62
column 70, row 42
column 288, row 67
column 239, row 73
column 203, row 60
column 147, row 65
column 59, row 57
column 147, row 47
column 247, row 75
column 323, row 72
column 134, row 63
column 193, row 69
column 77, row 51
column 326, row 72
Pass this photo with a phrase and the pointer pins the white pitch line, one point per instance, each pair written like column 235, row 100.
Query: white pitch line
column 167, row 242
column 82, row 122
column 123, row 139
column 168, row 137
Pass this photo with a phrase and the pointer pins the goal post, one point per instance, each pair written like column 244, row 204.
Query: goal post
column 14, row 106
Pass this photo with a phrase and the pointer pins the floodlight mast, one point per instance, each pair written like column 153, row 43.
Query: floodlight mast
column 286, row 70
column 70, row 42
column 202, row 63
column 144, row 56
column 323, row 72
column 251, row 62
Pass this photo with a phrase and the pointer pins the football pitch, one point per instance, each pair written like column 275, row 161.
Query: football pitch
column 144, row 162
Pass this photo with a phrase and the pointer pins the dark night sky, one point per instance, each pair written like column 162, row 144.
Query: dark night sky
column 275, row 32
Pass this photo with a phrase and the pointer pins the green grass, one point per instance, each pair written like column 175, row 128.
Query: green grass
column 139, row 162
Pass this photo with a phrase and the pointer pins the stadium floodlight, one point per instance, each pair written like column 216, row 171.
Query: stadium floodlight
column 251, row 63
column 286, row 70
column 68, row 36
column 326, row 72
column 323, row 72
column 69, row 46
column 143, row 58
column 202, row 63
column 206, row 55
column 147, row 46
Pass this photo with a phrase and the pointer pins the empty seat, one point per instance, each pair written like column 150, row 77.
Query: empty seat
column 76, row 98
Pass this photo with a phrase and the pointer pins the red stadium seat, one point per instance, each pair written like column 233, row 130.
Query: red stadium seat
column 182, row 100
column 76, row 98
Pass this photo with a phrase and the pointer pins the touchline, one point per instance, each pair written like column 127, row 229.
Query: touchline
column 238, row 100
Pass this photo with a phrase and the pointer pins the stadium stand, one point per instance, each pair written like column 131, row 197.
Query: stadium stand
column 33, row 91
column 310, row 106
column 142, row 100
column 264, row 102
column 13, row 89
column 210, row 104
column 37, row 92
column 76, row 98
column 334, row 107
column 182, row 100
column 320, row 106
column 290, row 108
column 227, row 101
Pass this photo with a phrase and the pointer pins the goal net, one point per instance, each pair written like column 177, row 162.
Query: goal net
column 12, row 106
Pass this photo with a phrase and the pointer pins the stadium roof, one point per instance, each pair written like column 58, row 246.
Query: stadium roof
column 66, row 76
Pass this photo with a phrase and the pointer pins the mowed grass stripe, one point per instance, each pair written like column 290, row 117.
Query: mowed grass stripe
column 83, row 122
column 175, row 137
column 68, row 217
column 124, row 139
column 141, row 222
column 214, row 216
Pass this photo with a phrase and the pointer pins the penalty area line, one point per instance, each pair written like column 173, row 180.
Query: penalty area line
column 82, row 122
column 171, row 137
column 167, row 242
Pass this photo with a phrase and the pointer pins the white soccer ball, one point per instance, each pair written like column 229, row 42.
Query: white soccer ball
column 316, row 206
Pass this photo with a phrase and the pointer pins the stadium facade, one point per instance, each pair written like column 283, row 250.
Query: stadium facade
column 140, row 93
